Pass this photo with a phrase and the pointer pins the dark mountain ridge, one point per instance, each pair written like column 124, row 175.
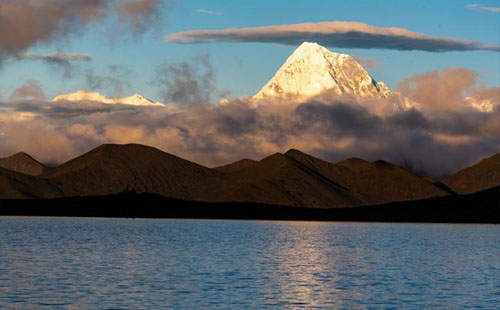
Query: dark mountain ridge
column 290, row 179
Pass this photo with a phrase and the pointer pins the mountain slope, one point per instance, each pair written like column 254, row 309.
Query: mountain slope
column 312, row 69
column 83, row 95
column 236, row 166
column 382, row 182
column 23, row 163
column 280, row 179
column 290, row 179
column 378, row 182
column 111, row 169
column 481, row 176
column 15, row 185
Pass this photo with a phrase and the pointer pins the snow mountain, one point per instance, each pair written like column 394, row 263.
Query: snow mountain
column 83, row 95
column 312, row 69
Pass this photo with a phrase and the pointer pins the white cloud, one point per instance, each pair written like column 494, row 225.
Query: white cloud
column 208, row 12
column 483, row 8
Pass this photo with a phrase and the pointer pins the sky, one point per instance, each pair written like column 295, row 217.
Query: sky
column 442, row 58
column 243, row 68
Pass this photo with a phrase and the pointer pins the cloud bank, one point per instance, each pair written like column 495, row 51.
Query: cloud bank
column 333, row 34
column 442, row 134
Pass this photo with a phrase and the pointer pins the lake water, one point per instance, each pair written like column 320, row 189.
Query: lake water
column 69, row 263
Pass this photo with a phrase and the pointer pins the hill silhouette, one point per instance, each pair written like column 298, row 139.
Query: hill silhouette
column 290, row 179
column 23, row 163
column 15, row 185
column 281, row 179
column 111, row 169
column 483, row 175
column 382, row 182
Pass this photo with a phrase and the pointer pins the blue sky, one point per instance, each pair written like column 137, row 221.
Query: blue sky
column 242, row 68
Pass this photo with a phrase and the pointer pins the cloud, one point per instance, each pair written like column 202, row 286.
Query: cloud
column 60, row 60
column 26, row 23
column 55, row 57
column 187, row 82
column 116, row 80
column 208, row 12
column 334, row 34
column 29, row 90
column 483, row 8
column 141, row 15
column 434, row 138
column 441, row 90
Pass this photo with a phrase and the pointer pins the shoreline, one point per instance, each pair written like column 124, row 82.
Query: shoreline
column 481, row 207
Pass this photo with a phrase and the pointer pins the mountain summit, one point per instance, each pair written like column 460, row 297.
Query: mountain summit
column 312, row 69
column 83, row 95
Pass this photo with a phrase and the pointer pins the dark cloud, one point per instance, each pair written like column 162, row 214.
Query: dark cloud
column 60, row 60
column 26, row 23
column 142, row 15
column 116, row 80
column 187, row 82
column 29, row 90
column 334, row 34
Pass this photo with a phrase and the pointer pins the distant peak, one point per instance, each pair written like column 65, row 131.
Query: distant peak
column 313, row 69
column 292, row 152
column 22, row 155
column 308, row 47
column 83, row 95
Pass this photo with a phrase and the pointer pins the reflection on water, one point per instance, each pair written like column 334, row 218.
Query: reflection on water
column 63, row 263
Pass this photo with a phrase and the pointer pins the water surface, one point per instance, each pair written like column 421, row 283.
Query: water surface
column 68, row 263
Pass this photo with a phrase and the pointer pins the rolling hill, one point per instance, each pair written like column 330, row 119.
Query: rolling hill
column 282, row 180
column 290, row 179
column 15, row 185
column 111, row 169
column 382, row 182
column 483, row 175
column 23, row 163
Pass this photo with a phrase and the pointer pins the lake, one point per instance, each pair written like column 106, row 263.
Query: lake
column 84, row 263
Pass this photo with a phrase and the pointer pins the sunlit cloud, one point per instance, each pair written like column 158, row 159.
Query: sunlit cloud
column 55, row 57
column 334, row 34
column 434, row 138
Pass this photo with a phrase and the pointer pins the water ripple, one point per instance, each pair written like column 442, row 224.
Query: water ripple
column 65, row 263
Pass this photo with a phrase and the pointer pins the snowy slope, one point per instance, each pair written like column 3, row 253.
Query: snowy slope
column 83, row 95
column 312, row 69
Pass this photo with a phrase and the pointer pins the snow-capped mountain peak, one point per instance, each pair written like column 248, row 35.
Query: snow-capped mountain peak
column 313, row 69
column 83, row 95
